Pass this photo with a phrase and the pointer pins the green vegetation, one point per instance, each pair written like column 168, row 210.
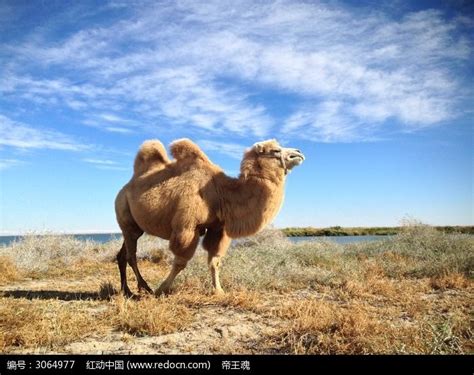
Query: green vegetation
column 361, row 231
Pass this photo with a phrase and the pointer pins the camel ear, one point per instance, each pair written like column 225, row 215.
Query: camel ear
column 259, row 147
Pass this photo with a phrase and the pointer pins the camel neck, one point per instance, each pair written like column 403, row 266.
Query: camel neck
column 249, row 204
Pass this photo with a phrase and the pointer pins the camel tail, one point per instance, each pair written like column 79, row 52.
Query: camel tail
column 151, row 154
column 182, row 149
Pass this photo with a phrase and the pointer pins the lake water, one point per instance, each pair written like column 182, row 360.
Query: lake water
column 96, row 237
column 105, row 237
column 340, row 239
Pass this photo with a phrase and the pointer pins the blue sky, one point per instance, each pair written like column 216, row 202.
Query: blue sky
column 378, row 95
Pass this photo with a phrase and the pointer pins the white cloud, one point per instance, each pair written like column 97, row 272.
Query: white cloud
column 232, row 150
column 116, row 129
column 329, row 121
column 22, row 136
column 100, row 161
column 105, row 164
column 109, row 122
column 346, row 70
column 110, row 117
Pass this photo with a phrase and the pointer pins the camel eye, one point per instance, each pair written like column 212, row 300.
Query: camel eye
column 275, row 151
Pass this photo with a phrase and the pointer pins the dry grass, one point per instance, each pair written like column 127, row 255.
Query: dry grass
column 47, row 324
column 49, row 254
column 149, row 316
column 8, row 270
column 319, row 327
column 411, row 293
column 449, row 281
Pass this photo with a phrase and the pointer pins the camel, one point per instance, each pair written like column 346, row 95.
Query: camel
column 183, row 199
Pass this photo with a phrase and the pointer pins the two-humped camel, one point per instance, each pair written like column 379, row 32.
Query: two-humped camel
column 188, row 197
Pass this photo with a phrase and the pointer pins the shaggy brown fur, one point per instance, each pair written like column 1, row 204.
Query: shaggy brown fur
column 182, row 199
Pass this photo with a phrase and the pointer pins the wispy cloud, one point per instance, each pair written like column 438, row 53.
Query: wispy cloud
column 232, row 150
column 100, row 161
column 105, row 164
column 110, row 117
column 116, row 129
column 19, row 135
column 109, row 122
column 347, row 71
column 9, row 163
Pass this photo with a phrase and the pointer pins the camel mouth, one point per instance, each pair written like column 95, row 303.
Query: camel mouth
column 296, row 154
column 294, row 158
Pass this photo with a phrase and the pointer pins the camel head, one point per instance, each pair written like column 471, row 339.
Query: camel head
column 271, row 155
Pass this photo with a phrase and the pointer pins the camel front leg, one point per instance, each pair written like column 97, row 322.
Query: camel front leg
column 179, row 264
column 214, row 264
column 216, row 242
column 183, row 244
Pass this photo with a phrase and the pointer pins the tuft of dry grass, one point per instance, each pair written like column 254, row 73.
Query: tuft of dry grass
column 324, row 327
column 452, row 280
column 241, row 299
column 8, row 270
column 319, row 327
column 149, row 315
column 47, row 324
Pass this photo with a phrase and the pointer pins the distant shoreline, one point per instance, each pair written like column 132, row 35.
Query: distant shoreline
column 364, row 231
column 289, row 232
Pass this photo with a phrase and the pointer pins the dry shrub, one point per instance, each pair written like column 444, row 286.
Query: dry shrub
column 38, row 252
column 452, row 280
column 153, row 249
column 46, row 324
column 452, row 333
column 432, row 252
column 8, row 270
column 269, row 237
column 158, row 256
column 149, row 315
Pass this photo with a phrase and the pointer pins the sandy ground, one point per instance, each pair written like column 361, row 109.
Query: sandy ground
column 214, row 328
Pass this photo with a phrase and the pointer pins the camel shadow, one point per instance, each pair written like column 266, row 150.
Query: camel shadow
column 55, row 294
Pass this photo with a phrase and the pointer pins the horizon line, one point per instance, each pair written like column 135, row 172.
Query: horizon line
column 115, row 231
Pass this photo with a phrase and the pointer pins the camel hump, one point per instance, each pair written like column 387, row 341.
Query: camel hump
column 152, row 153
column 184, row 148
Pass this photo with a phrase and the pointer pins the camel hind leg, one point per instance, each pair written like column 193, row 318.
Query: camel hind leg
column 128, row 253
column 122, row 264
column 131, row 245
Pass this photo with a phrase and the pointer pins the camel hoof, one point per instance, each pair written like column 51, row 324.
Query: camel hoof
column 130, row 295
column 145, row 288
column 218, row 292
column 161, row 291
